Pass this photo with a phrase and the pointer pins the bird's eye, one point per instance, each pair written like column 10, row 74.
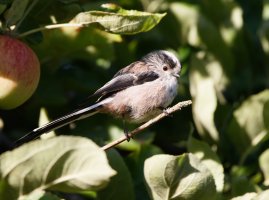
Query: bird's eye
column 165, row 68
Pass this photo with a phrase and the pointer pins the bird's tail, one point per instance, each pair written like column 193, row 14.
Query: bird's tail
column 61, row 121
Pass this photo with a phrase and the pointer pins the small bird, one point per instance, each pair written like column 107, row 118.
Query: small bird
column 136, row 93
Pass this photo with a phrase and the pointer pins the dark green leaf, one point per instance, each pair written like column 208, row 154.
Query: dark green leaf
column 16, row 11
column 67, row 1
column 5, row 1
column 2, row 8
column 240, row 182
column 121, row 179
column 70, row 43
column 135, row 162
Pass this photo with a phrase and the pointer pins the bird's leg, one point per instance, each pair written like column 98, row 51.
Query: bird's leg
column 126, row 131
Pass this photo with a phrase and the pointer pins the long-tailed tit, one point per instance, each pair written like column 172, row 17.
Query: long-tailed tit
column 136, row 93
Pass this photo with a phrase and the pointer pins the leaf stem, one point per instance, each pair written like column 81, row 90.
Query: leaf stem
column 52, row 26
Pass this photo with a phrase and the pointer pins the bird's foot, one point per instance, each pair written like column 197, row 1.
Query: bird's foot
column 164, row 110
column 126, row 133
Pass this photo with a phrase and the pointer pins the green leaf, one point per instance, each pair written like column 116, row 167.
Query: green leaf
column 210, row 159
column 263, row 195
column 41, row 195
column 67, row 164
column 178, row 177
column 248, row 130
column 127, row 22
column 116, row 132
column 67, row 1
column 2, row 9
column 135, row 162
column 86, row 44
column 264, row 37
column 5, row 1
column 199, row 31
column 112, row 7
column 16, row 11
column 253, row 196
column 247, row 196
column 204, row 105
column 44, row 119
column 121, row 179
column 264, row 164
column 240, row 181
column 255, row 105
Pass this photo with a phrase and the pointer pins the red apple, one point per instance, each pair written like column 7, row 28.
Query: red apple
column 19, row 72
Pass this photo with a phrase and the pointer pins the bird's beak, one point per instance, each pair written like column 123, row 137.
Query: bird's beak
column 176, row 75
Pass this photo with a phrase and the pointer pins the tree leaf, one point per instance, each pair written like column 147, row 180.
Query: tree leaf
column 255, row 105
column 84, row 44
column 127, row 22
column 264, row 37
column 210, row 159
column 5, row 1
column 246, row 196
column 263, row 195
column 40, row 195
column 44, row 119
column 16, row 11
column 65, row 163
column 240, row 181
column 178, row 177
column 198, row 31
column 2, row 8
column 135, row 162
column 247, row 130
column 253, row 196
column 204, row 105
column 264, row 164
column 122, row 178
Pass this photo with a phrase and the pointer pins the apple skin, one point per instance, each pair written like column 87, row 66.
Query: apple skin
column 19, row 72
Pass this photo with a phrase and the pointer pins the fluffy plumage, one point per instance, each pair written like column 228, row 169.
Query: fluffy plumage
column 136, row 93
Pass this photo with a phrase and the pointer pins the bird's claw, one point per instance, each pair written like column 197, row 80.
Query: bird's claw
column 167, row 113
column 127, row 136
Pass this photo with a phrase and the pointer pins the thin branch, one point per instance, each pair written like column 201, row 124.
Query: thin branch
column 47, row 27
column 131, row 134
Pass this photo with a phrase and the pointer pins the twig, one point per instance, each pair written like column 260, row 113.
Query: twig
column 169, row 111
column 52, row 26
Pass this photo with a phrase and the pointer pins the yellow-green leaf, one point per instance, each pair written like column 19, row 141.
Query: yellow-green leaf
column 210, row 159
column 178, row 177
column 65, row 163
column 127, row 22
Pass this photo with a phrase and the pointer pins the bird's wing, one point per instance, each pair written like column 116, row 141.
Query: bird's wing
column 123, row 81
column 116, row 84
